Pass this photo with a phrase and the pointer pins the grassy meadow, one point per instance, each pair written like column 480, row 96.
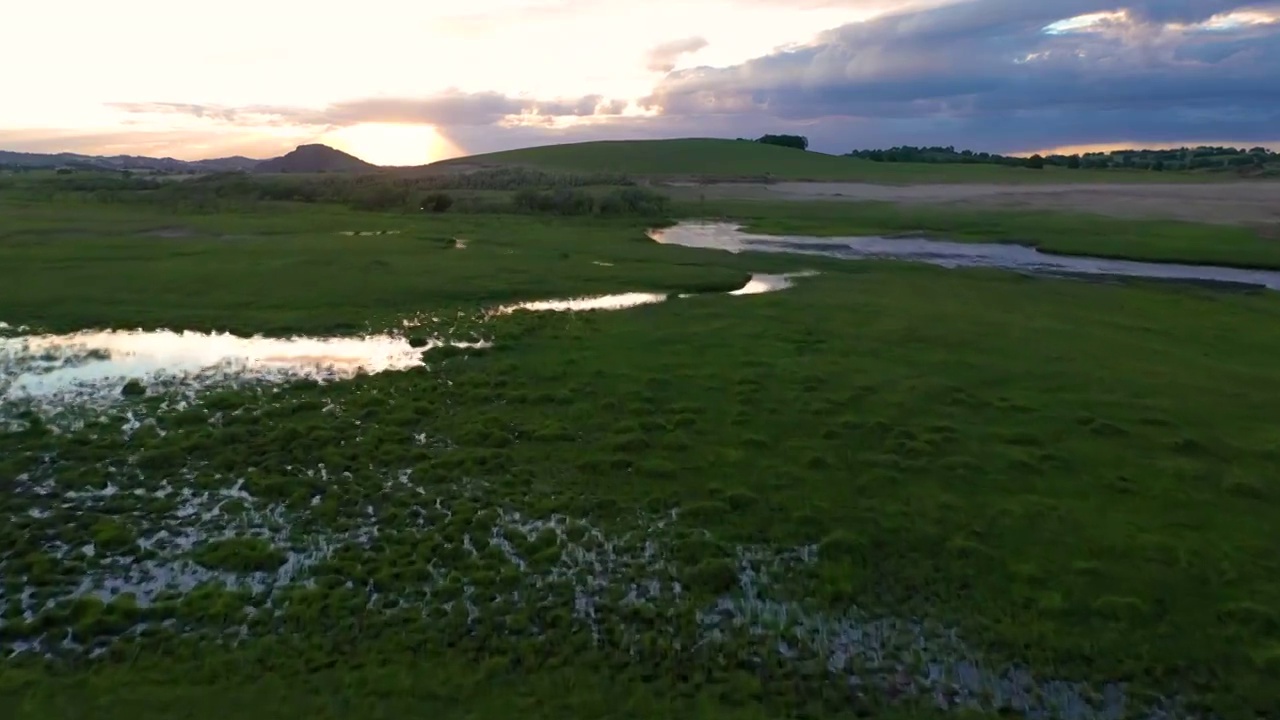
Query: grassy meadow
column 738, row 159
column 962, row 488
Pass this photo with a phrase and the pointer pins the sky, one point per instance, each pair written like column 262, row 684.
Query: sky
column 407, row 82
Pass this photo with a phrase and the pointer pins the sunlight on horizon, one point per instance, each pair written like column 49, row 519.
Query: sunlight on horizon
column 413, row 80
column 393, row 144
column 1146, row 145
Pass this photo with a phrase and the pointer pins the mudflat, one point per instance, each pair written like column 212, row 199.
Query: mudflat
column 1244, row 203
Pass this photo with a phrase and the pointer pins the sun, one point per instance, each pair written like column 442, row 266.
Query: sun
column 392, row 143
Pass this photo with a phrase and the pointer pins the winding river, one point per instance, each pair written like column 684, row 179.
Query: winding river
column 1021, row 258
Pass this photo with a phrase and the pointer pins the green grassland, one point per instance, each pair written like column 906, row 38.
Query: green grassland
column 737, row 159
column 1074, row 478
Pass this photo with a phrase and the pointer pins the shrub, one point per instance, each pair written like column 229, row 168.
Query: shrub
column 436, row 202
column 561, row 201
column 633, row 201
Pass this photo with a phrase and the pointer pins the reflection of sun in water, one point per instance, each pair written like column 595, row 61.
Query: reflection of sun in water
column 392, row 143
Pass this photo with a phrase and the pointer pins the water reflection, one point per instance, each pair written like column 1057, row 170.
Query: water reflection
column 730, row 237
column 763, row 283
column 759, row 283
column 95, row 361
column 599, row 302
column 95, row 368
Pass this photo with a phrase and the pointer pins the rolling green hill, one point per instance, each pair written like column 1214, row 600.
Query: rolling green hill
column 717, row 159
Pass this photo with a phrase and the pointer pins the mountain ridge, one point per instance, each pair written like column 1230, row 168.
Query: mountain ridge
column 314, row 157
column 311, row 157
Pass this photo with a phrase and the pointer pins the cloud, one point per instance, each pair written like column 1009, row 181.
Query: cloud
column 988, row 71
column 480, row 18
column 1000, row 75
column 663, row 57
column 449, row 109
column 181, row 144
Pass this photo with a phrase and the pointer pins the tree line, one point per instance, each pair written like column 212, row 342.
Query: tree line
column 1186, row 158
column 1203, row 157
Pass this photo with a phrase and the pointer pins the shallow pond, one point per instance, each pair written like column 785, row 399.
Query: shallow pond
column 92, row 368
column 731, row 237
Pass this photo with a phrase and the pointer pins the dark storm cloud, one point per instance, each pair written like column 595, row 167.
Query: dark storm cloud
column 987, row 71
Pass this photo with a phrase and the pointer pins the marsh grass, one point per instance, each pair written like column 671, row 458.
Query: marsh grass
column 1077, row 479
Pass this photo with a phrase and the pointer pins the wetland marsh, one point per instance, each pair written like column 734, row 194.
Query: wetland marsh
column 764, row 485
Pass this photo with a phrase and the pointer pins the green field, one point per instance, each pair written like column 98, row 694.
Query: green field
column 736, row 159
column 1076, row 479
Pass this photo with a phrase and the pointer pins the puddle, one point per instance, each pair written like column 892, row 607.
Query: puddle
column 600, row 302
column 763, row 283
column 759, row 283
column 730, row 237
column 92, row 368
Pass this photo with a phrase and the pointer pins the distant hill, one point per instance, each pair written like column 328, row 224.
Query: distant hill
column 304, row 159
column 687, row 157
column 314, row 158
column 124, row 162
column 723, row 160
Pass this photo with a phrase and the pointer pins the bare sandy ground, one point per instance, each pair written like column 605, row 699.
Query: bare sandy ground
column 1237, row 203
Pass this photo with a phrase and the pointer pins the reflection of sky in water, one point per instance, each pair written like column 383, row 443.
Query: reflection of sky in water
column 1008, row 256
column 44, row 364
column 759, row 283
column 601, row 302
column 763, row 283
column 90, row 368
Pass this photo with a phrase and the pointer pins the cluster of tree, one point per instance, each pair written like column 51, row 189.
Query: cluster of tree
column 1198, row 158
column 798, row 142
column 935, row 154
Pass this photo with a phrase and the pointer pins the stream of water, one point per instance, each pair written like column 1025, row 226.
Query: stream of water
column 1023, row 258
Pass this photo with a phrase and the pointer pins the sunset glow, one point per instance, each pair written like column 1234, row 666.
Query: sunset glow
column 406, row 83
column 392, row 144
